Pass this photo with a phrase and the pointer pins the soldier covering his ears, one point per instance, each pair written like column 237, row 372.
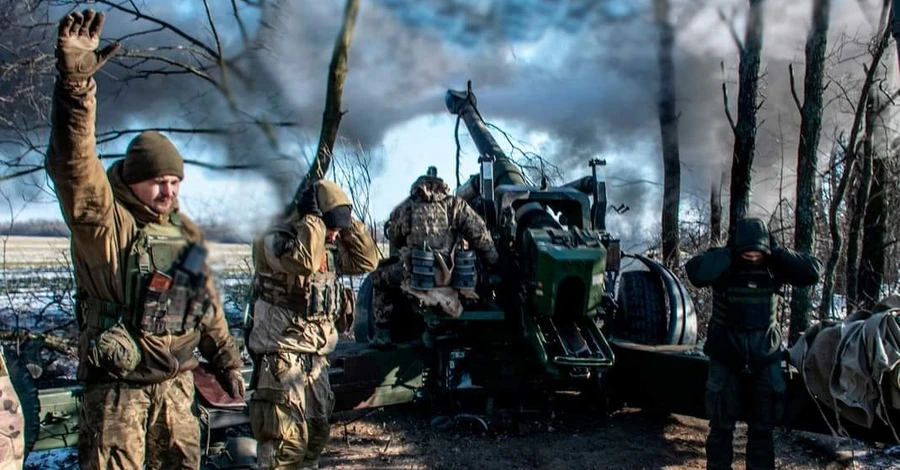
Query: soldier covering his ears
column 292, row 327
column 744, row 338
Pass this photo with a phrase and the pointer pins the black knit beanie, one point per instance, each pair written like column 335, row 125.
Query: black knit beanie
column 151, row 155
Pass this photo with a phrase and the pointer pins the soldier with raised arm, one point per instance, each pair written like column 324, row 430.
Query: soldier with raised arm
column 292, row 327
column 145, row 298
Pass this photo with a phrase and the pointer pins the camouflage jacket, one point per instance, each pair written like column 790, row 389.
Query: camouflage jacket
column 431, row 217
column 291, row 264
column 12, row 422
column 104, row 217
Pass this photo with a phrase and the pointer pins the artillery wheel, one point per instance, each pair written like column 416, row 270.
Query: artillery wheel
column 27, row 392
column 642, row 316
column 363, row 321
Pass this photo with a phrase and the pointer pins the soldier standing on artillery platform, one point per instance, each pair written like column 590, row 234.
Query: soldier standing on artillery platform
column 432, row 219
column 744, row 338
column 292, row 329
column 145, row 298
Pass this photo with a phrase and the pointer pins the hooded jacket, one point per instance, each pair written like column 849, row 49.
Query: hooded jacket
column 104, row 217
column 732, row 338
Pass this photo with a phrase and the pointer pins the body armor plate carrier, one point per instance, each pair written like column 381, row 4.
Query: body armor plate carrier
column 165, row 285
column 315, row 298
column 749, row 301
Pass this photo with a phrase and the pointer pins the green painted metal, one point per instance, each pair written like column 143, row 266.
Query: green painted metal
column 60, row 408
column 557, row 260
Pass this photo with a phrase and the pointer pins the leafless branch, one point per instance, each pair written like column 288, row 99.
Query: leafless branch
column 725, row 100
column 729, row 22
column 138, row 14
column 794, row 88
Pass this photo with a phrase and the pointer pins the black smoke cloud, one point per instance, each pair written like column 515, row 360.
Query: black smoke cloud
column 595, row 93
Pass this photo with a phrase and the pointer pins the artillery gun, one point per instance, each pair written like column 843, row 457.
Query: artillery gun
column 546, row 309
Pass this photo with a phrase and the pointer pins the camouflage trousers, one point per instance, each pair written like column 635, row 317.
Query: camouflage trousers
column 290, row 409
column 386, row 282
column 126, row 426
column 12, row 424
column 756, row 397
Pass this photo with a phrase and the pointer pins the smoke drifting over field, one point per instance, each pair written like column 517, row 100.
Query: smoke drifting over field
column 582, row 71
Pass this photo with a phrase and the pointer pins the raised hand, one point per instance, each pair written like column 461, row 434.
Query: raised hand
column 77, row 49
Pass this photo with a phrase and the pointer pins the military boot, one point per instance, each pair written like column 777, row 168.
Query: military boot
column 719, row 449
column 760, row 450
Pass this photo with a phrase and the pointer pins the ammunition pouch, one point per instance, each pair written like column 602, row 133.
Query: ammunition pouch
column 115, row 351
column 175, row 310
column 422, row 271
column 316, row 303
column 463, row 269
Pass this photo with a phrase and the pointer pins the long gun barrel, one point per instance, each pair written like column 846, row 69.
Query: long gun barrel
column 462, row 104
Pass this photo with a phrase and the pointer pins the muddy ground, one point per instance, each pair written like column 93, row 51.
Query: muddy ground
column 629, row 439
column 402, row 438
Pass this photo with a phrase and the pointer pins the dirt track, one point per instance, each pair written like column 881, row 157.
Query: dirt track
column 399, row 438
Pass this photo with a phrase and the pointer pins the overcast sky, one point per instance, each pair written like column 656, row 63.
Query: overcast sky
column 570, row 79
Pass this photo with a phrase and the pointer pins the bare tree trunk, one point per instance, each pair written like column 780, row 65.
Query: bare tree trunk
column 331, row 117
column 715, row 211
column 837, row 198
column 668, row 125
column 860, row 204
column 807, row 159
column 873, row 253
column 874, row 250
column 745, row 129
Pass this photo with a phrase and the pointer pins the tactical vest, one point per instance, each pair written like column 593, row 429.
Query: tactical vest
column 429, row 227
column 314, row 298
column 157, row 301
column 749, row 300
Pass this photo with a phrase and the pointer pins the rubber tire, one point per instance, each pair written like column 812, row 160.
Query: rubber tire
column 363, row 314
column 27, row 391
column 643, row 313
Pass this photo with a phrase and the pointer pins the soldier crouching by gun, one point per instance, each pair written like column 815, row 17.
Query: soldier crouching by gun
column 292, row 329
column 145, row 300
column 744, row 339
column 434, row 219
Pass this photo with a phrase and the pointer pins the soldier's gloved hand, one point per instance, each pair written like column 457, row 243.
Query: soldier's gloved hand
column 773, row 244
column 309, row 203
column 233, row 383
column 77, row 49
